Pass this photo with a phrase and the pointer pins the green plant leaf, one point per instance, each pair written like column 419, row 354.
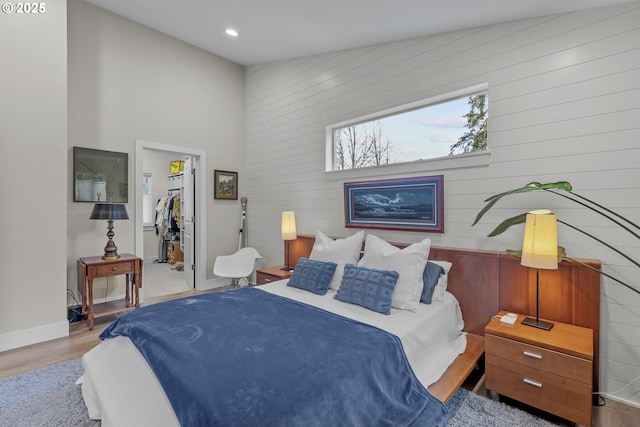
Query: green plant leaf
column 532, row 186
column 561, row 253
column 494, row 199
column 507, row 223
column 559, row 185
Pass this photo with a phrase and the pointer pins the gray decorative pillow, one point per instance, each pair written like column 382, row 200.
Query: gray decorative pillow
column 312, row 276
column 368, row 287
column 430, row 277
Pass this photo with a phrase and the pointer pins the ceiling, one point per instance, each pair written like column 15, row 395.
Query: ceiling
column 271, row 30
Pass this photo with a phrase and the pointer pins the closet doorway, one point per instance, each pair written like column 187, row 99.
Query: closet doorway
column 171, row 251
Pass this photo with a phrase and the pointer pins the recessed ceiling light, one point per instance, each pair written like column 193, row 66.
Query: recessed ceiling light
column 231, row 32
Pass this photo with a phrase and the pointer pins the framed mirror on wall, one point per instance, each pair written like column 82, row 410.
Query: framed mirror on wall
column 100, row 176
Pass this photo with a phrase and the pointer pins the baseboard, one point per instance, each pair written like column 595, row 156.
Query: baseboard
column 34, row 335
column 620, row 400
column 214, row 283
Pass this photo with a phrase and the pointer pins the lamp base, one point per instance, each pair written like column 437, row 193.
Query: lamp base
column 540, row 324
column 110, row 249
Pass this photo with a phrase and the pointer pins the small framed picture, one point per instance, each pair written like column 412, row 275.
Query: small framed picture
column 225, row 185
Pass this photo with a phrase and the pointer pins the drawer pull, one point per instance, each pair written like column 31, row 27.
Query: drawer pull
column 267, row 280
column 533, row 383
column 533, row 355
column 115, row 268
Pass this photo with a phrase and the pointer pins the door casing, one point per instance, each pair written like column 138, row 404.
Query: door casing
column 200, row 229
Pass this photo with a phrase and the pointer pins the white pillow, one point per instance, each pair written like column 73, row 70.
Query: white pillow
column 441, row 286
column 408, row 262
column 341, row 251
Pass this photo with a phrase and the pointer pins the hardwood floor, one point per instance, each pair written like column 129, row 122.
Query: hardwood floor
column 81, row 340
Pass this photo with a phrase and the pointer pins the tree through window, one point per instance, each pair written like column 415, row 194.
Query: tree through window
column 457, row 125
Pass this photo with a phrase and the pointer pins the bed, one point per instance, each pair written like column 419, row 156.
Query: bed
column 145, row 403
column 121, row 388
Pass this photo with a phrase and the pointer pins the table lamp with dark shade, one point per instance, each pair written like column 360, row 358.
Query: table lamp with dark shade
column 110, row 212
column 540, row 250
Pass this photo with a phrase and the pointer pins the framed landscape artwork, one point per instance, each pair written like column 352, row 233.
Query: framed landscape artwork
column 225, row 185
column 410, row 204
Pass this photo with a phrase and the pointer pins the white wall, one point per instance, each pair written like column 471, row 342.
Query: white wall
column 564, row 103
column 33, row 137
column 129, row 82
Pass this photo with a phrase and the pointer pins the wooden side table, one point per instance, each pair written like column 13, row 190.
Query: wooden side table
column 91, row 267
column 271, row 274
column 550, row 370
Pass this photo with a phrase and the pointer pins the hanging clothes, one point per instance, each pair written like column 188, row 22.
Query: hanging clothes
column 167, row 223
column 176, row 212
column 161, row 229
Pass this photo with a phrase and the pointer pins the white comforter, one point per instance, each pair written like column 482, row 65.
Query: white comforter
column 120, row 389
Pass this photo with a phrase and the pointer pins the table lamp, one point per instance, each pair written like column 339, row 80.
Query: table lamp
column 540, row 250
column 288, row 234
column 110, row 212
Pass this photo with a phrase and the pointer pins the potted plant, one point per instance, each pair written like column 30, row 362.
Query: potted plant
column 564, row 189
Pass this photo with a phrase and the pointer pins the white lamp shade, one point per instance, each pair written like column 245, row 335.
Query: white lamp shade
column 540, row 243
column 289, row 226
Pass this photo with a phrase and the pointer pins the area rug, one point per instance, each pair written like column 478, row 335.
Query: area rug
column 45, row 397
column 49, row 397
column 469, row 409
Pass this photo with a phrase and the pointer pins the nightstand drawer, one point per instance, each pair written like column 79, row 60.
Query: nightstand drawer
column 114, row 269
column 555, row 394
column 271, row 274
column 262, row 278
column 553, row 362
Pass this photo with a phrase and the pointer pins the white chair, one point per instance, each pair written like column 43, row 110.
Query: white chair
column 238, row 266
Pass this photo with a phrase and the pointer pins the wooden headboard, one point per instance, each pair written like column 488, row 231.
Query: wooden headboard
column 485, row 282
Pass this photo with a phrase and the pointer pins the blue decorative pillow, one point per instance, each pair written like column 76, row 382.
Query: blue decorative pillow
column 313, row 276
column 368, row 287
column 430, row 277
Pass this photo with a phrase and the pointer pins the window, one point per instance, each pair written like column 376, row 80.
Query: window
column 448, row 125
column 148, row 208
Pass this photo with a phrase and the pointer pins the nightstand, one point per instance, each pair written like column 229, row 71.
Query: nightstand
column 91, row 267
column 271, row 274
column 550, row 370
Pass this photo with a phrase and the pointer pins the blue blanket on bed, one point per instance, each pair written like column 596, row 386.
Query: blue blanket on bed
column 246, row 357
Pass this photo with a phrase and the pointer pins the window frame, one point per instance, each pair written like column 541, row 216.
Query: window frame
column 330, row 143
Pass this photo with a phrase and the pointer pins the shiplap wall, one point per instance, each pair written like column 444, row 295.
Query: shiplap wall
column 564, row 103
